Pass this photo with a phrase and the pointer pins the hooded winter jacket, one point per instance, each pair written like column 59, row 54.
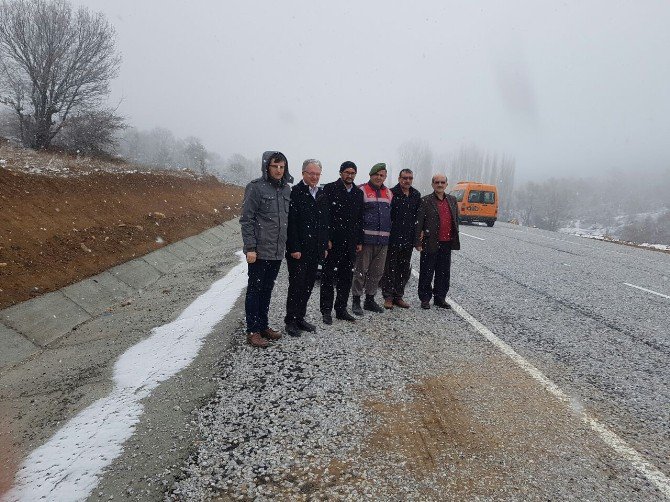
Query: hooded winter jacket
column 264, row 219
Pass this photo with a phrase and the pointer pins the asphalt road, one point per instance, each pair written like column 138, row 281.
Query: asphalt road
column 568, row 305
column 571, row 307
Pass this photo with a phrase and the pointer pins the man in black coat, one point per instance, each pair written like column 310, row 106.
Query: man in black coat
column 306, row 244
column 436, row 236
column 404, row 209
column 345, row 239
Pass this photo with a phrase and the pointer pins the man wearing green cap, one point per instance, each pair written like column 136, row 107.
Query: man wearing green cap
column 376, row 232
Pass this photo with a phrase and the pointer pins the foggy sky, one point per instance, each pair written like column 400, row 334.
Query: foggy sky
column 566, row 88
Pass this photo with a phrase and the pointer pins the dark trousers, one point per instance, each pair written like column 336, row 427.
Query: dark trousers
column 396, row 271
column 262, row 276
column 337, row 271
column 438, row 265
column 301, row 277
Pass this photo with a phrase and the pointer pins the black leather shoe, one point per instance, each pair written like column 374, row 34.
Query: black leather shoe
column 425, row 305
column 305, row 326
column 345, row 316
column 327, row 319
column 371, row 305
column 293, row 330
column 442, row 304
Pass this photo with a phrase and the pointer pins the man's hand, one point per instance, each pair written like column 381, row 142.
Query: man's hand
column 251, row 256
column 359, row 248
column 325, row 254
column 330, row 244
column 296, row 255
column 418, row 248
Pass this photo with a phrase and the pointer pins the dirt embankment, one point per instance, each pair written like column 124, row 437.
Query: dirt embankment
column 62, row 219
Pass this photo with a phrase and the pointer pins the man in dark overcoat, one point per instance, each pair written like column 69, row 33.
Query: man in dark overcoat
column 306, row 244
column 404, row 210
column 345, row 239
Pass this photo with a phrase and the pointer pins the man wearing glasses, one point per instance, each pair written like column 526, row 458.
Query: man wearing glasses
column 345, row 238
column 404, row 209
column 436, row 235
column 306, row 244
column 376, row 231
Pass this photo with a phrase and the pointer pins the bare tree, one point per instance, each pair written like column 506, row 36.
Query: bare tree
column 196, row 154
column 417, row 156
column 53, row 63
column 92, row 132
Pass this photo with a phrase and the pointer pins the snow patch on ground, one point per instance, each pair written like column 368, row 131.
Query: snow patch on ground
column 68, row 466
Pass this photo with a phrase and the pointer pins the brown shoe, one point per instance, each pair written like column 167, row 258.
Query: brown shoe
column 270, row 334
column 401, row 303
column 388, row 303
column 256, row 340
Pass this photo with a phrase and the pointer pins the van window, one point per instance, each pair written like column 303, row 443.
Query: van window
column 475, row 196
column 458, row 194
column 481, row 197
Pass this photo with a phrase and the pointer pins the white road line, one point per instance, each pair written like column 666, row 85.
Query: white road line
column 610, row 438
column 647, row 290
column 69, row 465
column 463, row 233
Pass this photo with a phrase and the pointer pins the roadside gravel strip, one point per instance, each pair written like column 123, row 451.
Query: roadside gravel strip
column 404, row 405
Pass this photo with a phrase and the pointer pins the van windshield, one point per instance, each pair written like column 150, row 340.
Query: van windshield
column 458, row 194
column 481, row 197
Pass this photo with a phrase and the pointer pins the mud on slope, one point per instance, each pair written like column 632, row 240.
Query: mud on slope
column 64, row 219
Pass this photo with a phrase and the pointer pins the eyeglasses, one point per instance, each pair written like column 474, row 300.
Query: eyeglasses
column 407, row 177
column 349, row 173
column 311, row 174
column 439, row 182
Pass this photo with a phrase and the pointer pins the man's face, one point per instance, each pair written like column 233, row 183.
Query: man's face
column 276, row 169
column 311, row 175
column 348, row 176
column 405, row 180
column 378, row 178
column 439, row 184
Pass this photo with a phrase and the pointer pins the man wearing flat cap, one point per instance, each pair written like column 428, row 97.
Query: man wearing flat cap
column 376, row 232
column 345, row 238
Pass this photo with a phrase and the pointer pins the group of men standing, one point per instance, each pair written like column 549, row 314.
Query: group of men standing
column 363, row 236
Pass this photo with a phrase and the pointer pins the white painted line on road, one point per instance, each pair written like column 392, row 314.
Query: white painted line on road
column 69, row 465
column 648, row 290
column 474, row 237
column 610, row 438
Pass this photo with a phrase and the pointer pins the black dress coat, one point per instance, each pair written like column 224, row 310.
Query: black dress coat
column 345, row 215
column 307, row 222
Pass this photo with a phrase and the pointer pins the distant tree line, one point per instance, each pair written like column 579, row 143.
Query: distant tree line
column 469, row 163
column 628, row 206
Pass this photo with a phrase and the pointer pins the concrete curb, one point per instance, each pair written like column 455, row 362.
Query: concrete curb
column 30, row 326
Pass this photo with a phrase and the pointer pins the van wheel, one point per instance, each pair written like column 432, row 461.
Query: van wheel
column 490, row 223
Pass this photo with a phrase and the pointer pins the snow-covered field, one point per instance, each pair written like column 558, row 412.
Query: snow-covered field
column 613, row 232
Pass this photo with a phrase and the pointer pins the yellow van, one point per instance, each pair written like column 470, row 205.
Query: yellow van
column 476, row 202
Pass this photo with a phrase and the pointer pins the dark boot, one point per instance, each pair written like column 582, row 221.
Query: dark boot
column 356, row 305
column 372, row 305
column 345, row 316
column 305, row 326
column 292, row 329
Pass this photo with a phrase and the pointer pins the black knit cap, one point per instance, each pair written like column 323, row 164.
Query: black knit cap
column 348, row 164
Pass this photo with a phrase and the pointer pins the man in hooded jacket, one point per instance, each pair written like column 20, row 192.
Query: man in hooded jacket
column 264, row 223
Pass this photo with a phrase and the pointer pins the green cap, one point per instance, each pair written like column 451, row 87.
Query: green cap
column 378, row 167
